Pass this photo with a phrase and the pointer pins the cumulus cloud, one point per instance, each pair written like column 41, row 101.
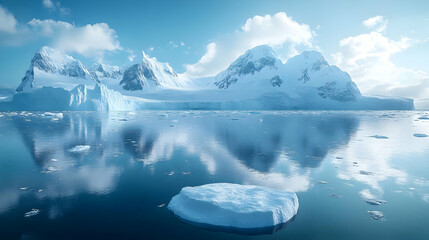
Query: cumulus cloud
column 277, row 30
column 89, row 40
column 377, row 22
column 48, row 4
column 7, row 20
column 368, row 59
column 54, row 6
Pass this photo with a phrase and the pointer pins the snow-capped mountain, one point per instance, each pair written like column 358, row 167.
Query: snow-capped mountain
column 50, row 67
column 106, row 71
column 256, row 80
column 257, row 63
column 260, row 68
column 150, row 74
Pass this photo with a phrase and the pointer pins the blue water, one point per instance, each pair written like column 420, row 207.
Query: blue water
column 140, row 160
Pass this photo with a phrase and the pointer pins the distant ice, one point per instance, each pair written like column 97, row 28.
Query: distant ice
column 422, row 135
column 369, row 198
column 31, row 213
column 379, row 137
column 79, row 148
column 234, row 205
column 377, row 215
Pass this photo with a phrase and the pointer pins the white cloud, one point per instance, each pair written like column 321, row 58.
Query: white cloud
column 7, row 21
column 89, row 40
column 53, row 6
column 276, row 30
column 48, row 4
column 367, row 58
column 377, row 22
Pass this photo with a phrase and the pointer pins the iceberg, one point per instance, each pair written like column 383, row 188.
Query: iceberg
column 79, row 148
column 235, row 207
column 257, row 80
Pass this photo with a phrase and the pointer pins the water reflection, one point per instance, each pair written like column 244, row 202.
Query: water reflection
column 275, row 149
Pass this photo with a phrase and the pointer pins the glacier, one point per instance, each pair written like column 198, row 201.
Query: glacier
column 257, row 80
column 234, row 206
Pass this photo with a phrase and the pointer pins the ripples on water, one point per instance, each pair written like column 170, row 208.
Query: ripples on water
column 110, row 176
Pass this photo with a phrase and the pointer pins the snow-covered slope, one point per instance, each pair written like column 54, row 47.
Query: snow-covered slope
column 150, row 74
column 257, row 66
column 52, row 68
column 256, row 80
column 260, row 68
column 106, row 71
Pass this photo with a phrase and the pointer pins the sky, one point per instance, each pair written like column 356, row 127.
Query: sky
column 383, row 45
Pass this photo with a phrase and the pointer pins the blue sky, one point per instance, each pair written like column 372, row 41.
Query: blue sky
column 386, row 55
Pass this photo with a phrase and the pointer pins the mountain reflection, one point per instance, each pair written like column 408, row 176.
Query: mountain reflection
column 273, row 149
column 258, row 141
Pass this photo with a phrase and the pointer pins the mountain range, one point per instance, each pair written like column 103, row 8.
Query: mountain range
column 258, row 79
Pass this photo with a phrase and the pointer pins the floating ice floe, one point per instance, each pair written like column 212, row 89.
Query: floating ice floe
column 422, row 135
column 23, row 188
column 377, row 215
column 31, row 213
column 52, row 169
column 379, row 136
column 232, row 207
column 323, row 182
column 79, row 148
column 161, row 205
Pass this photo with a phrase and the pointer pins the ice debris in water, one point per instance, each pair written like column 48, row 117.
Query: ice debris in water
column 79, row 148
column 362, row 172
column 379, row 136
column 23, row 188
column 422, row 135
column 234, row 205
column 377, row 215
column 161, row 205
column 53, row 169
column 333, row 195
column 31, row 213
column 323, row 182
column 171, row 173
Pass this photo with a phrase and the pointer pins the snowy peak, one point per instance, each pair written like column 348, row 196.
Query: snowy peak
column 309, row 60
column 48, row 63
column 150, row 74
column 252, row 62
column 106, row 71
column 54, row 61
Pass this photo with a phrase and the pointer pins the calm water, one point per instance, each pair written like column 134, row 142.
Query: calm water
column 138, row 161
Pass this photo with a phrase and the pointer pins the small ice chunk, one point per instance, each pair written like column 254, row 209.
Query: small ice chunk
column 31, row 213
column 370, row 198
column 379, row 136
column 186, row 173
column 363, row 172
column 333, row 195
column 377, row 215
column 323, row 182
column 79, row 148
column 23, row 188
column 171, row 173
column 234, row 205
column 53, row 169
column 421, row 135
column 161, row 205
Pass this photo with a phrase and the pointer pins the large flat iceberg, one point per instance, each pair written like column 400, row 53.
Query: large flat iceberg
column 234, row 206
